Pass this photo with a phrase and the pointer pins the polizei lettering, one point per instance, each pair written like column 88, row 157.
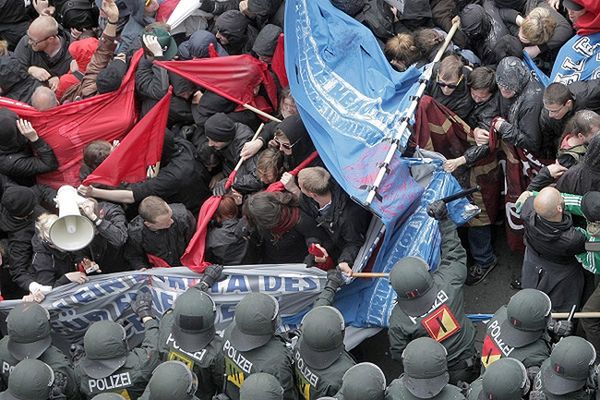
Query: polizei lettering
column 239, row 360
column 198, row 355
column 440, row 299
column 7, row 368
column 495, row 332
column 305, row 371
column 122, row 380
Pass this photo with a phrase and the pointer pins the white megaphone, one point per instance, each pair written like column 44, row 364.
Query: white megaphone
column 71, row 231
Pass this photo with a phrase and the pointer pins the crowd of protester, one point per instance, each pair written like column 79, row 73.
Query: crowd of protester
column 54, row 52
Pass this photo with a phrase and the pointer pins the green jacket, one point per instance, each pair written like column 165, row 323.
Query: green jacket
column 131, row 379
column 582, row 394
column 397, row 391
column 273, row 358
column 458, row 334
column 589, row 260
column 314, row 383
column 55, row 358
column 207, row 364
column 495, row 347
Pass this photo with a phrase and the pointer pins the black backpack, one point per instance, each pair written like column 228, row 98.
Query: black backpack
column 378, row 17
column 79, row 14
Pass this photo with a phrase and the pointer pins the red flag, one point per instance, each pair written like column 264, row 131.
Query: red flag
column 438, row 128
column 278, row 186
column 212, row 52
column 193, row 258
column 166, row 9
column 278, row 62
column 140, row 149
column 68, row 128
column 233, row 77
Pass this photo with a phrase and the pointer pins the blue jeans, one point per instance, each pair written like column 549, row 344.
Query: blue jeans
column 480, row 244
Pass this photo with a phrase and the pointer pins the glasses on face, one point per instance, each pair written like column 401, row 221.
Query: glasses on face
column 36, row 42
column 449, row 85
column 286, row 146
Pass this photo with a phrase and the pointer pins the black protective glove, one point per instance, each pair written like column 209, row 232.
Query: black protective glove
column 213, row 273
column 142, row 305
column 334, row 279
column 59, row 386
column 77, row 353
column 437, row 210
column 219, row 189
column 532, row 372
column 560, row 328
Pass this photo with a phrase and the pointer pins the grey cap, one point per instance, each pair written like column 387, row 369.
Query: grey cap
column 572, row 5
column 261, row 386
column 527, row 316
column 505, row 379
column 414, row 286
column 108, row 396
column 194, row 320
column 31, row 379
column 322, row 340
column 172, row 380
column 105, row 345
column 363, row 381
column 254, row 322
column 28, row 326
column 425, row 367
column 568, row 367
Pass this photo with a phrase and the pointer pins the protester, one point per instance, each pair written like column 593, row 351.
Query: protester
column 235, row 33
column 585, row 176
column 450, row 86
column 483, row 25
column 43, row 98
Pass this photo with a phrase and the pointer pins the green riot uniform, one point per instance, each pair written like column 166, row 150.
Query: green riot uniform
column 445, row 321
column 505, row 379
column 583, row 394
column 131, row 378
column 207, row 363
column 55, row 358
column 495, row 345
column 398, row 391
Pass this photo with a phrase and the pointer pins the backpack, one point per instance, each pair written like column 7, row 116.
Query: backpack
column 79, row 14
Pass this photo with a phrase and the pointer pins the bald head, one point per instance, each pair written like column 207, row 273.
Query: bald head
column 549, row 204
column 43, row 98
column 44, row 25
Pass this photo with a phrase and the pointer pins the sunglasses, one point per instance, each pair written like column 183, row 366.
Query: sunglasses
column 449, row 85
column 286, row 146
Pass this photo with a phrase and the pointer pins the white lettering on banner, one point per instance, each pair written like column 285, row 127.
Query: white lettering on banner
column 198, row 355
column 241, row 361
column 121, row 380
column 301, row 366
column 440, row 299
column 7, row 368
column 495, row 332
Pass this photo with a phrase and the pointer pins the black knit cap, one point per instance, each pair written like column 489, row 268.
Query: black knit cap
column 19, row 201
column 590, row 206
column 220, row 128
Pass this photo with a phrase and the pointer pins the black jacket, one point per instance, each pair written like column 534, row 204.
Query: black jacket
column 483, row 114
column 483, row 26
column 15, row 82
column 460, row 101
column 56, row 66
column 585, row 176
column 236, row 27
column 555, row 241
column 345, row 222
column 265, row 12
column 49, row 265
column 109, row 242
column 293, row 128
column 182, row 180
column 225, row 244
column 168, row 244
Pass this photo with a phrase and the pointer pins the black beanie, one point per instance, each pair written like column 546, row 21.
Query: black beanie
column 19, row 201
column 590, row 206
column 109, row 79
column 220, row 128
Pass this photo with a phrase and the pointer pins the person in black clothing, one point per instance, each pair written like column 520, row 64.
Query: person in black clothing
column 44, row 51
column 263, row 12
column 266, row 42
column 483, row 26
column 285, row 231
column 14, row 20
column 15, row 82
column 182, row 178
column 345, row 222
column 17, row 140
column 159, row 235
column 551, row 245
column 235, row 33
column 449, row 87
column 520, row 107
column 585, row 176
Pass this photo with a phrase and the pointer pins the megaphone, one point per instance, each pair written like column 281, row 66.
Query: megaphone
column 71, row 231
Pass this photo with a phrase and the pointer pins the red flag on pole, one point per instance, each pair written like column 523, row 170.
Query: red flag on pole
column 278, row 62
column 70, row 127
column 139, row 151
column 193, row 258
column 233, row 77
column 278, row 186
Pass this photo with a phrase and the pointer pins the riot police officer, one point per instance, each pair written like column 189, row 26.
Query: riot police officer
column 109, row 366
column 362, row 381
column 425, row 373
column 505, row 379
column 187, row 334
column 261, row 386
column 171, row 380
column 320, row 360
column 28, row 326
column 250, row 345
column 432, row 304
column 30, row 379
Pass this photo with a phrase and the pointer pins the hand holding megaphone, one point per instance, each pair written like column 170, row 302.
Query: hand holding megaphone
column 71, row 231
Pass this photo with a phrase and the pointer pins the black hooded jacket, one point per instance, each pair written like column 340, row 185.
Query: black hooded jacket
column 585, row 176
column 15, row 82
column 521, row 128
column 237, row 29
column 460, row 101
column 197, row 46
column 302, row 145
column 484, row 28
column 17, row 160
column 556, row 241
column 56, row 65
column 264, row 11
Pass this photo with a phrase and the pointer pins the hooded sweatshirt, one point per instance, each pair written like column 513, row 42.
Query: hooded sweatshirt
column 585, row 176
column 197, row 46
column 293, row 128
column 264, row 10
column 237, row 29
column 484, row 28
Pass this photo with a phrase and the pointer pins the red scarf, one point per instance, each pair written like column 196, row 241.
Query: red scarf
column 287, row 221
